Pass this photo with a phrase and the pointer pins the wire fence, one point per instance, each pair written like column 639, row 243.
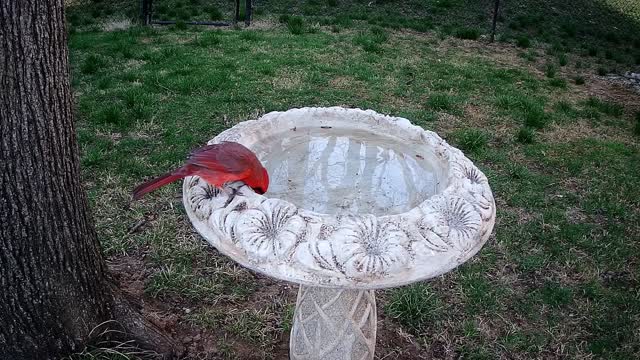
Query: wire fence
column 602, row 28
column 607, row 28
column 196, row 12
column 610, row 20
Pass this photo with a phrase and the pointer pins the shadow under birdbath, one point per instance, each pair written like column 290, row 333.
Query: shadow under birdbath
column 357, row 201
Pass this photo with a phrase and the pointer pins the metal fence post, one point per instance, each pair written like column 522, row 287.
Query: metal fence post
column 247, row 13
column 236, row 16
column 146, row 11
column 495, row 20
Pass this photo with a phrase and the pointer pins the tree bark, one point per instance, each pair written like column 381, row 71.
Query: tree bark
column 54, row 288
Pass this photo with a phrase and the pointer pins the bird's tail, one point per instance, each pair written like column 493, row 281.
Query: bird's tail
column 153, row 184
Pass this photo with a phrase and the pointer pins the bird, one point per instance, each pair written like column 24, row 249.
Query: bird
column 218, row 165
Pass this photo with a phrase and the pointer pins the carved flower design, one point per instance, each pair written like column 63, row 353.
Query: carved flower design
column 473, row 185
column 204, row 198
column 371, row 247
column 454, row 220
column 320, row 255
column 223, row 221
column 341, row 250
column 429, row 236
column 271, row 230
column 481, row 198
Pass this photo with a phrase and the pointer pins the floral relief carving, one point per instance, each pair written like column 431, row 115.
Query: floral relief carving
column 371, row 247
column 455, row 221
column 204, row 198
column 325, row 231
column 430, row 236
column 481, row 198
column 474, row 187
column 324, row 255
column 271, row 230
column 223, row 222
column 347, row 250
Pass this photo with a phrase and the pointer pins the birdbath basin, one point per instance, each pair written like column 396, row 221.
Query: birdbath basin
column 358, row 201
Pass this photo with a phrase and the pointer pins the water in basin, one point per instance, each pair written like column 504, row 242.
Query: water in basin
column 329, row 170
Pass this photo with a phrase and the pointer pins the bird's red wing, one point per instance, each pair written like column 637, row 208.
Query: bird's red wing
column 219, row 178
column 226, row 157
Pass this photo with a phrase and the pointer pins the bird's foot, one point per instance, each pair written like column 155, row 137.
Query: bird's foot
column 232, row 189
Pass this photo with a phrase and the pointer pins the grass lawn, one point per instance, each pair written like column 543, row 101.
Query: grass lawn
column 561, row 147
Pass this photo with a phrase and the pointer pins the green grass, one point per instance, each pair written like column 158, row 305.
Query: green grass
column 210, row 318
column 471, row 140
column 214, row 13
column 415, row 307
column 207, row 39
column 605, row 107
column 467, row 33
column 550, row 70
column 251, row 326
column 92, row 64
column 523, row 41
column 528, row 109
column 249, row 35
column 558, row 83
column 557, row 276
column 182, row 280
column 443, row 102
column 371, row 40
column 536, row 21
column 525, row 135
column 563, row 60
column 295, row 24
column 530, row 55
column 556, row 295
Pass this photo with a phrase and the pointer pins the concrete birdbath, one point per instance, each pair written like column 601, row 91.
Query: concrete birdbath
column 358, row 201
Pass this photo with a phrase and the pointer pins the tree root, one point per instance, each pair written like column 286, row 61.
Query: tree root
column 134, row 326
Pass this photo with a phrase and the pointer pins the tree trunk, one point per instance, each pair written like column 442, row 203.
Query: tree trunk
column 53, row 283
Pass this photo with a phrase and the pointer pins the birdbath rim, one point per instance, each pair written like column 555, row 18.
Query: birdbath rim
column 347, row 250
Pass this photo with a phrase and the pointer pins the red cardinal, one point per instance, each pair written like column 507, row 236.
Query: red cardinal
column 217, row 164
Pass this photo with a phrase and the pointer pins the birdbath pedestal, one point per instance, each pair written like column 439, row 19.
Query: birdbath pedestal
column 358, row 201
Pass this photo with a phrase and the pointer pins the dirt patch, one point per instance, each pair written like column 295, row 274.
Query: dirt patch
column 394, row 343
column 134, row 64
column 288, row 80
column 448, row 123
column 356, row 86
column 116, row 24
column 583, row 129
column 264, row 24
column 174, row 314
column 342, row 82
column 603, row 87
